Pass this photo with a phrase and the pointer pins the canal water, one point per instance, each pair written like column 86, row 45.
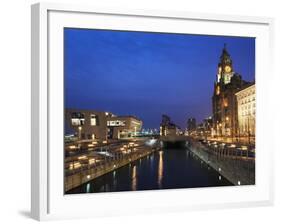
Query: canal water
column 165, row 169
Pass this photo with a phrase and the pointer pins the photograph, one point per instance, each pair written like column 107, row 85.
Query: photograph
column 156, row 111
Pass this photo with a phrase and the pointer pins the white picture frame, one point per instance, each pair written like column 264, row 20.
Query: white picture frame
column 48, row 201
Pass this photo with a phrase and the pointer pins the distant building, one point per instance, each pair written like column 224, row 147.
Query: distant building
column 191, row 124
column 200, row 131
column 123, row 127
column 228, row 82
column 246, row 101
column 167, row 127
column 101, row 126
column 208, row 125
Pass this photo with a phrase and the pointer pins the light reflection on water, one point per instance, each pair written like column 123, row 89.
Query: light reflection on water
column 134, row 178
column 160, row 169
column 88, row 188
column 164, row 169
column 114, row 178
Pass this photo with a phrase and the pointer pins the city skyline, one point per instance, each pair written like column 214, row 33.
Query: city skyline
column 149, row 74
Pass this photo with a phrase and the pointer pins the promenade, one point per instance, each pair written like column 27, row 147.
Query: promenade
column 235, row 162
column 88, row 162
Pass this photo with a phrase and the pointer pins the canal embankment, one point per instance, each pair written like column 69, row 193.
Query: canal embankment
column 84, row 176
column 237, row 169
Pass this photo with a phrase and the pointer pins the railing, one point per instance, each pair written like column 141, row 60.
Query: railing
column 85, row 173
column 238, row 166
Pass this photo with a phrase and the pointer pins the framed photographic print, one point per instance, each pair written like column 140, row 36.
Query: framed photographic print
column 161, row 111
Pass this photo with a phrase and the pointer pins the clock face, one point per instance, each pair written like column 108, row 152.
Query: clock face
column 227, row 68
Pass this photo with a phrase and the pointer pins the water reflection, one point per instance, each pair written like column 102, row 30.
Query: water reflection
column 166, row 169
column 114, row 179
column 134, row 178
column 160, row 169
column 187, row 153
column 88, row 188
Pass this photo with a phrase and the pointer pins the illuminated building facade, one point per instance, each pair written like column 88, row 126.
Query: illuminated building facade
column 191, row 125
column 123, row 127
column 101, row 126
column 228, row 82
column 208, row 124
column 87, row 124
column 167, row 127
column 246, row 103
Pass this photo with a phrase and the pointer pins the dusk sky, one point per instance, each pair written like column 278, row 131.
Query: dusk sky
column 149, row 74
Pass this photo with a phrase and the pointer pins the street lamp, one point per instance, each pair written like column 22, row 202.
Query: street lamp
column 249, row 131
column 220, row 127
column 80, row 129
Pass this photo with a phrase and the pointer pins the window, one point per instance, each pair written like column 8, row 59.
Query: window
column 116, row 123
column 94, row 120
column 77, row 119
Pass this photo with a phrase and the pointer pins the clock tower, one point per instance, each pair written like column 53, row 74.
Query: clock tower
column 225, row 69
column 225, row 120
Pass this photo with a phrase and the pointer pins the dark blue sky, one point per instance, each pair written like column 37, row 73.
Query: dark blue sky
column 148, row 74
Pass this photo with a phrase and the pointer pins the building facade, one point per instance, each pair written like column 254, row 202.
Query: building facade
column 191, row 125
column 246, row 103
column 87, row 124
column 101, row 126
column 208, row 125
column 167, row 127
column 228, row 82
column 123, row 127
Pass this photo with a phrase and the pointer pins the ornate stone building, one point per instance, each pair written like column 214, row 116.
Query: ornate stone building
column 228, row 82
column 246, row 103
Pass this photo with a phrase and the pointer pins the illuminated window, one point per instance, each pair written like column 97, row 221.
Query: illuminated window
column 94, row 119
column 219, row 77
column 225, row 103
column 77, row 119
column 116, row 123
column 218, row 90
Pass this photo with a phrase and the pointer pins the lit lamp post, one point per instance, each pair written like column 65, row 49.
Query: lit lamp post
column 220, row 128
column 238, row 133
column 227, row 124
column 80, row 130
column 249, row 131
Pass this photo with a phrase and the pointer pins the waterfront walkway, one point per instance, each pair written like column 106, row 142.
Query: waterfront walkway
column 86, row 164
column 235, row 163
column 87, row 161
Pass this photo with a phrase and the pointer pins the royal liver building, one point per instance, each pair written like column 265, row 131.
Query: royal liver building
column 228, row 82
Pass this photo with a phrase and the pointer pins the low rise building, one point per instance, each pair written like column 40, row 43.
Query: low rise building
column 101, row 126
column 167, row 127
column 123, row 126
column 87, row 124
